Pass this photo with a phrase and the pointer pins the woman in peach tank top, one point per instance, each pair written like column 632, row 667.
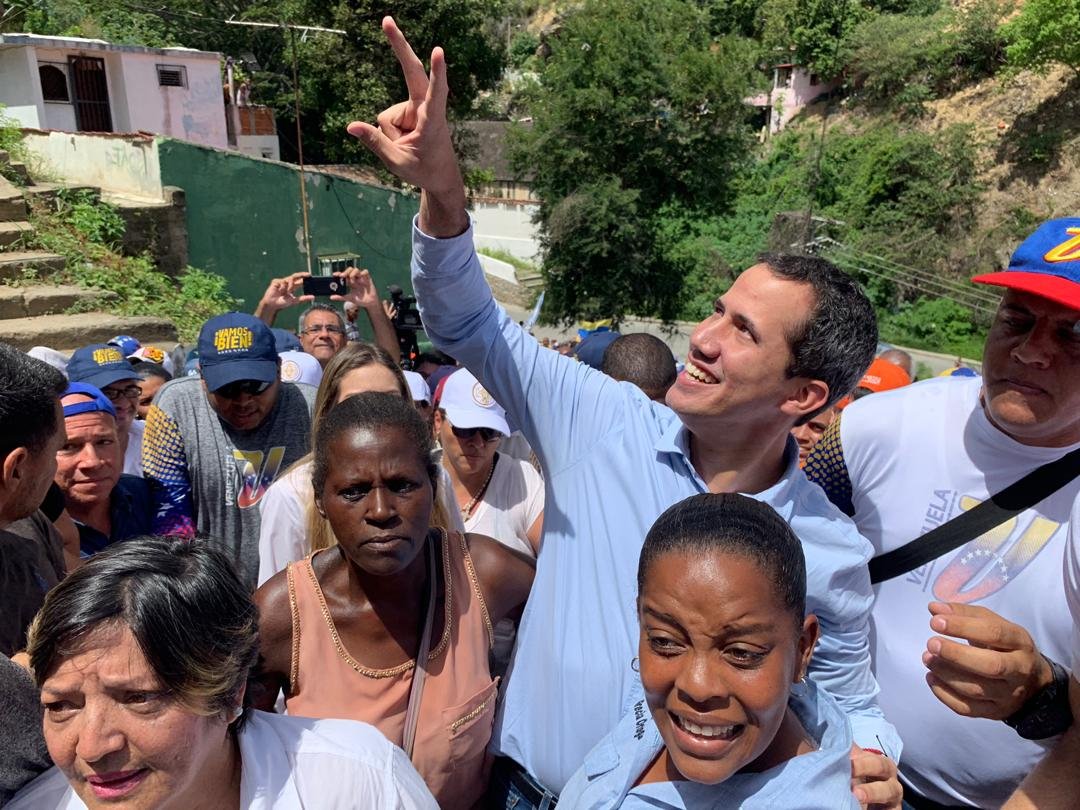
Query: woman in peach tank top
column 340, row 632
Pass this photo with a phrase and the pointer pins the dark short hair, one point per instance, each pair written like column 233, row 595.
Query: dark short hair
column 733, row 524
column 192, row 617
column 29, row 391
column 642, row 359
column 145, row 369
column 320, row 307
column 838, row 341
column 367, row 411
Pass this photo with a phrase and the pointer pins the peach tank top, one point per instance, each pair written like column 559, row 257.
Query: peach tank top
column 457, row 709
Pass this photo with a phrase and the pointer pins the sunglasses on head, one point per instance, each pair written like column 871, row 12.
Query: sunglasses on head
column 487, row 434
column 250, row 387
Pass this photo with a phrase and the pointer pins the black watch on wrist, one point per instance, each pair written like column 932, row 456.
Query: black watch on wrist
column 1047, row 713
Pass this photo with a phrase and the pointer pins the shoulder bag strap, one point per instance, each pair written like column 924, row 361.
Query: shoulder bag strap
column 412, row 715
column 995, row 510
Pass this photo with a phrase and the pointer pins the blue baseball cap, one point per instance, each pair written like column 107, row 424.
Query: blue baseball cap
column 591, row 350
column 236, row 346
column 126, row 343
column 1046, row 264
column 100, row 365
column 286, row 341
column 99, row 403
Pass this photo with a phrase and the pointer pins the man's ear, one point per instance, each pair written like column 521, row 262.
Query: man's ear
column 14, row 468
column 319, row 507
column 810, row 396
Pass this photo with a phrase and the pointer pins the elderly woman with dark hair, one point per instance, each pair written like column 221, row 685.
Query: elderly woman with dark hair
column 142, row 658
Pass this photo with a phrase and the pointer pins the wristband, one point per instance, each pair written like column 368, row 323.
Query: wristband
column 1047, row 713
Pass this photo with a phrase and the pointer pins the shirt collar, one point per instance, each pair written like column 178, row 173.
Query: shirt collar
column 675, row 440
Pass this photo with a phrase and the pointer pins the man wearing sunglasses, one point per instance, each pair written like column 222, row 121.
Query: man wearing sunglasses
column 105, row 367
column 214, row 445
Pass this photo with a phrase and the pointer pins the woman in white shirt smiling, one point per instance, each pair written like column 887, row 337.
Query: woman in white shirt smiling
column 142, row 657
column 726, row 718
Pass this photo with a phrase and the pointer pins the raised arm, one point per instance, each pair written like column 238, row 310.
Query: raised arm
column 281, row 294
column 363, row 295
column 562, row 407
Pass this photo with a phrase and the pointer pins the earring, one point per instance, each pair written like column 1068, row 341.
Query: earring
column 237, row 713
column 634, row 664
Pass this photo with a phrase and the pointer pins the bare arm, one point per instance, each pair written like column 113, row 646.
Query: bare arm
column 363, row 293
column 1055, row 783
column 505, row 576
column 281, row 294
column 271, row 672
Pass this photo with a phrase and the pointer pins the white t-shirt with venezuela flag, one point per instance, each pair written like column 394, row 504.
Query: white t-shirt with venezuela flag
column 906, row 461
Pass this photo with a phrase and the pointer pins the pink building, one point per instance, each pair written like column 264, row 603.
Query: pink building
column 793, row 89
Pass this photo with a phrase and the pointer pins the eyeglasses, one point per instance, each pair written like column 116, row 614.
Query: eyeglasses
column 117, row 394
column 487, row 434
column 330, row 329
column 250, row 387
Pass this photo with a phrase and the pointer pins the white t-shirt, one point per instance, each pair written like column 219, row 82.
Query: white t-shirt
column 916, row 457
column 513, row 501
column 283, row 529
column 1072, row 583
column 133, row 454
column 292, row 763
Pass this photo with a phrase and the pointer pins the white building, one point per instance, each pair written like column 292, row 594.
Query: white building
column 87, row 85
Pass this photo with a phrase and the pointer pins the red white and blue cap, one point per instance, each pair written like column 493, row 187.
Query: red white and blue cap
column 126, row 343
column 236, row 346
column 1046, row 264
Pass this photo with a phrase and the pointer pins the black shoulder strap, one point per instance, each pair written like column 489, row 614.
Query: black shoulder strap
column 995, row 510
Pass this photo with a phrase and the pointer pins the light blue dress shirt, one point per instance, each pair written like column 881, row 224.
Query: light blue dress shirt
column 613, row 461
column 818, row 780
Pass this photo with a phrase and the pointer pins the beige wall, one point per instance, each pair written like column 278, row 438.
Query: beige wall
column 122, row 164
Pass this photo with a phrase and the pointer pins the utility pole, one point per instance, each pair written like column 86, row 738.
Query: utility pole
column 292, row 29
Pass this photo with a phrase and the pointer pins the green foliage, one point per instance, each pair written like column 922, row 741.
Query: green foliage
column 1044, row 33
column 85, row 232
column 11, row 142
column 522, row 47
column 638, row 107
column 98, row 221
column 897, row 194
column 935, row 324
column 812, row 33
column 902, row 60
column 516, row 262
column 342, row 78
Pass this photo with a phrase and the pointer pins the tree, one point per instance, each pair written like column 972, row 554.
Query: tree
column 1045, row 32
column 342, row 78
column 637, row 107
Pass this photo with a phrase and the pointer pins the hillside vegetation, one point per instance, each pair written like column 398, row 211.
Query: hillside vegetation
column 953, row 130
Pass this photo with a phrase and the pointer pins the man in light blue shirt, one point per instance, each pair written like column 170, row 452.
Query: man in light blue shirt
column 788, row 339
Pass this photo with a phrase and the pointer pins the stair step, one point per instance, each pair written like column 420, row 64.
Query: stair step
column 17, row 265
column 11, row 232
column 69, row 332
column 49, row 191
column 22, row 302
column 20, row 171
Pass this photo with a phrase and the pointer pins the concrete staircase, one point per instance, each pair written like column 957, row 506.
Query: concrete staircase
column 34, row 309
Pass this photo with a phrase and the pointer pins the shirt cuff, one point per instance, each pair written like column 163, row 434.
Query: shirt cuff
column 434, row 257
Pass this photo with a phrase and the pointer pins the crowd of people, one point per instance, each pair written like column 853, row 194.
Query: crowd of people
column 280, row 571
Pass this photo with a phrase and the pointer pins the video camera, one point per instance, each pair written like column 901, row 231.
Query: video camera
column 406, row 323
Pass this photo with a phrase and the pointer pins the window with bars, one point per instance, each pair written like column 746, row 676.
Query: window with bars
column 337, row 263
column 171, row 76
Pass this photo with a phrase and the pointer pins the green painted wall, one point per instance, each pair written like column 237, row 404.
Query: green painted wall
column 244, row 220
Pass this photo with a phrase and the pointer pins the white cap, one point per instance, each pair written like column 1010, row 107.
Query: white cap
column 468, row 404
column 50, row 356
column 418, row 386
column 152, row 354
column 300, row 367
